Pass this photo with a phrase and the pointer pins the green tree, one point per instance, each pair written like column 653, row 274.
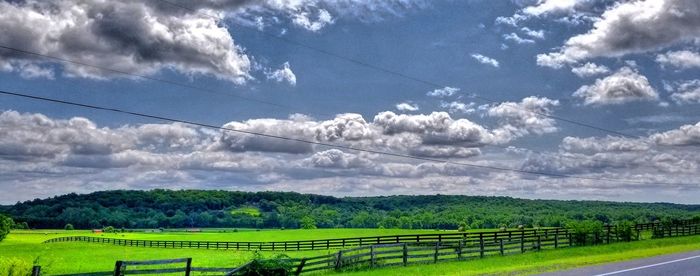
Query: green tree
column 307, row 222
column 69, row 227
column 6, row 224
column 109, row 229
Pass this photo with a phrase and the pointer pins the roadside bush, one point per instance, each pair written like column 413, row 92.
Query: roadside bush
column 15, row 267
column 585, row 231
column 280, row 265
column 625, row 230
column 69, row 227
column 6, row 224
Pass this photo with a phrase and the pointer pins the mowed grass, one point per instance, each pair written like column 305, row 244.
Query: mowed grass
column 77, row 257
column 546, row 260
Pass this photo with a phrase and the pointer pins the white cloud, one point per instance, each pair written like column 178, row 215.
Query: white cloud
column 551, row 6
column 525, row 117
column 625, row 85
column 42, row 156
column 631, row 27
column 459, row 107
column 685, row 92
column 302, row 19
column 590, row 69
column 539, row 34
column 517, row 39
column 443, row 92
column 679, row 59
column 146, row 37
column 407, row 107
column 686, row 135
column 283, row 74
column 485, row 60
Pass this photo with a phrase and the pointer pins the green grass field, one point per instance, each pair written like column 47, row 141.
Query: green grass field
column 71, row 257
column 546, row 260
column 56, row 258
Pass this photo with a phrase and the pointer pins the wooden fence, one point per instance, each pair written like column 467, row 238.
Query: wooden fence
column 429, row 248
column 326, row 244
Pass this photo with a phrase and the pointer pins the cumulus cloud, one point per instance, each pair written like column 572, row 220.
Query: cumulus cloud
column 459, row 107
column 679, row 59
column 552, row 6
column 284, row 74
column 485, row 60
column 517, row 39
column 145, row 37
column 443, row 92
column 631, row 27
column 538, row 34
column 42, row 156
column 407, row 107
column 685, row 92
column 590, row 69
column 625, row 85
column 525, row 117
column 686, row 135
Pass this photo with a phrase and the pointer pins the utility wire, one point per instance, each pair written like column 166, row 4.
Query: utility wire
column 352, row 148
column 401, row 75
column 174, row 83
column 185, row 85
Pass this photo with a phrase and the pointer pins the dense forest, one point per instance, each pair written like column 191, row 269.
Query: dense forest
column 198, row 208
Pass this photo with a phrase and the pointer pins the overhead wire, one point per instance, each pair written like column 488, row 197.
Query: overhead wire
column 325, row 144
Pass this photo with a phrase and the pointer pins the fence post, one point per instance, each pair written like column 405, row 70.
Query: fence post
column 501, row 246
column 405, row 254
column 437, row 249
column 459, row 249
column 607, row 237
column 522, row 244
column 339, row 260
column 188, row 267
column 556, row 239
column 118, row 268
column 371, row 256
column 481, row 245
column 539, row 242
column 301, row 266
column 36, row 270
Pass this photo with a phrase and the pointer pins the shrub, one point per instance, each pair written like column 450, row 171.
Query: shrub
column 625, row 230
column 14, row 267
column 69, row 227
column 280, row 265
column 586, row 230
column 109, row 229
column 308, row 222
column 21, row 225
column 463, row 227
column 6, row 224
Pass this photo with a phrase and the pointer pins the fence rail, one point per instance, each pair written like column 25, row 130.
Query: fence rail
column 326, row 244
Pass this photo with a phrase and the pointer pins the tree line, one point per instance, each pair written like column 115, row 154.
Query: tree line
column 206, row 208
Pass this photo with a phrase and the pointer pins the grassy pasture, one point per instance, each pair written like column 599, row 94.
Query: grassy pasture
column 76, row 257
column 546, row 260
column 56, row 258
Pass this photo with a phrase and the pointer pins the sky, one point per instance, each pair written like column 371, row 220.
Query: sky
column 553, row 99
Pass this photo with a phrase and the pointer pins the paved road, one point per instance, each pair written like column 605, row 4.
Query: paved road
column 682, row 264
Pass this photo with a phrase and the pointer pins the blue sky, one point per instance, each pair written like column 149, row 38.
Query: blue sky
column 628, row 67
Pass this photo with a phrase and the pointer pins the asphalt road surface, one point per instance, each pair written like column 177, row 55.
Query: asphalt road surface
column 682, row 264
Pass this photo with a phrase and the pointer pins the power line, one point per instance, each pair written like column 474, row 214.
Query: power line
column 174, row 83
column 386, row 153
column 180, row 84
column 402, row 75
